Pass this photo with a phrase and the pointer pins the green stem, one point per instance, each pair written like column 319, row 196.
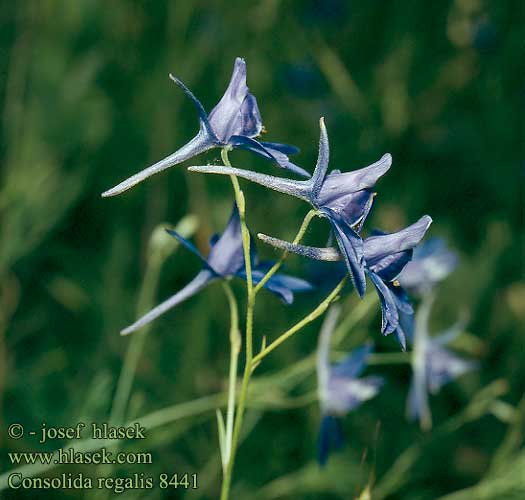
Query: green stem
column 389, row 358
column 235, row 346
column 239, row 197
column 300, row 234
column 318, row 311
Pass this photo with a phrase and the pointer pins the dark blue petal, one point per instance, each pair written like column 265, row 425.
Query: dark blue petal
column 287, row 149
column 283, row 285
column 198, row 283
column 390, row 316
column 351, row 247
column 203, row 117
column 402, row 301
column 266, row 152
column 352, row 207
column 283, row 161
column 214, row 238
column 406, row 323
column 331, row 437
column 251, row 121
column 389, row 266
column 353, row 365
column 187, row 244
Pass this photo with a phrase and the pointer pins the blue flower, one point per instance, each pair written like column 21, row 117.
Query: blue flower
column 431, row 263
column 344, row 199
column 235, row 121
column 433, row 364
column 225, row 260
column 385, row 256
column 340, row 389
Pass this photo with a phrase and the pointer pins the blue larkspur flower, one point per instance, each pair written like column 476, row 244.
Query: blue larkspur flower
column 340, row 390
column 431, row 263
column 433, row 365
column 225, row 260
column 385, row 256
column 344, row 199
column 235, row 122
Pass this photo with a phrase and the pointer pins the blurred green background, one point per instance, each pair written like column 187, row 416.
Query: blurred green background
column 86, row 102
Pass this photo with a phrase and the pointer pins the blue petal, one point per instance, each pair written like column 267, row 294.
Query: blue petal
column 432, row 262
column 353, row 365
column 406, row 323
column 225, row 118
column 340, row 184
column 330, row 438
column 443, row 366
column 198, row 283
column 287, row 149
column 390, row 316
column 226, row 257
column 187, row 244
column 283, row 161
column 203, row 117
column 251, row 121
column 381, row 246
column 389, row 266
column 352, row 207
column 282, row 285
column 266, row 152
column 351, row 247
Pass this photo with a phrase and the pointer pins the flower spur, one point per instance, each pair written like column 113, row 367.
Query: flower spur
column 235, row 122
column 225, row 260
column 385, row 256
column 344, row 199
column 340, row 389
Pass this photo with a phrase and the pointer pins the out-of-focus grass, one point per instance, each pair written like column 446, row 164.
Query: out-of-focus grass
column 86, row 101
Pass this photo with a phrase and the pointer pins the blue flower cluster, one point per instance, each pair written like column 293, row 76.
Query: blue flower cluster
column 345, row 200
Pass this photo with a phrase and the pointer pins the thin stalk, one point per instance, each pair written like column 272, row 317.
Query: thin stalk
column 318, row 311
column 239, row 198
column 300, row 234
column 235, row 347
column 419, row 362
